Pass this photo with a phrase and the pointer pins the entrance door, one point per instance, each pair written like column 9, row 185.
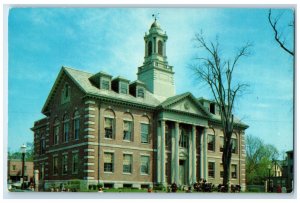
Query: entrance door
column 181, row 172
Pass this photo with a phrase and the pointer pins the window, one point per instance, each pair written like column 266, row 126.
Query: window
column 145, row 165
column 65, row 164
column 109, row 128
column 66, row 129
column 183, row 138
column 211, row 169
column 127, row 130
column 56, row 132
column 65, row 97
column 42, row 171
column 108, row 162
column 42, row 146
column 124, row 88
column 149, row 48
column 66, row 90
column 234, row 145
column 127, row 163
column 211, row 142
column 14, row 167
column 105, row 84
column 221, row 171
column 221, row 144
column 160, row 47
column 145, row 133
column 167, row 135
column 75, row 163
column 55, row 165
column 233, row 171
column 212, row 108
column 140, row 93
column 76, row 125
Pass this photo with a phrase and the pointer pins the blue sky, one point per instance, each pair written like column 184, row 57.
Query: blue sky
column 41, row 40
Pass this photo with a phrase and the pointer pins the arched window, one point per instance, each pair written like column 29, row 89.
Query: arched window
column 66, row 90
column 76, row 125
column 65, row 97
column 56, row 132
column 183, row 137
column 234, row 142
column 149, row 48
column 66, row 128
column 145, row 129
column 160, row 47
column 128, row 127
column 109, row 124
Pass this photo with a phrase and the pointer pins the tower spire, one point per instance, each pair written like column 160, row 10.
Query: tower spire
column 155, row 72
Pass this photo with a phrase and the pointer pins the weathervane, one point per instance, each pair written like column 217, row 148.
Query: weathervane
column 155, row 16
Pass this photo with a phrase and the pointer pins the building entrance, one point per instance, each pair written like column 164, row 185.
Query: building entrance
column 182, row 172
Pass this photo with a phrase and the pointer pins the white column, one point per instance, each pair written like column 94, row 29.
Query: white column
column 176, row 152
column 163, row 147
column 36, row 180
column 194, row 158
column 173, row 156
column 158, row 154
column 190, row 159
column 204, row 152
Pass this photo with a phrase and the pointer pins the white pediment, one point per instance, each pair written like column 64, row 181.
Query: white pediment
column 186, row 105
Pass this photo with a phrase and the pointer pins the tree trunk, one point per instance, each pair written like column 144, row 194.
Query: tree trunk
column 226, row 159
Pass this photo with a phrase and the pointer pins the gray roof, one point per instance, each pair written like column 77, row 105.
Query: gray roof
column 81, row 78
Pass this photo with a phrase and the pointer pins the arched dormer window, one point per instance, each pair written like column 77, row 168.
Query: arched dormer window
column 149, row 48
column 65, row 97
column 160, row 47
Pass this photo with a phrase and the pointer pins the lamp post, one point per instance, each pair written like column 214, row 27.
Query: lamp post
column 269, row 185
column 23, row 151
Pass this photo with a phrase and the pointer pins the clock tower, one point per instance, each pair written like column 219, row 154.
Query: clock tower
column 155, row 72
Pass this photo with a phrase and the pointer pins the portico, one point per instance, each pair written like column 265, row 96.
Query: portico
column 181, row 143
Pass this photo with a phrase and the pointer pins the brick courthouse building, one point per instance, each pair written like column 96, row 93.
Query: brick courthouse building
column 100, row 129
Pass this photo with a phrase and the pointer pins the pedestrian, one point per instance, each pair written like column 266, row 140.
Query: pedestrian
column 283, row 189
column 174, row 187
column 279, row 189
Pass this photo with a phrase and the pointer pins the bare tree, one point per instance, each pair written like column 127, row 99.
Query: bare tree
column 278, row 34
column 218, row 75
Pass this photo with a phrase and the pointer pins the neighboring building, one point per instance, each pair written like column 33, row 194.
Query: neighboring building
column 288, row 171
column 15, row 170
column 101, row 129
column 282, row 173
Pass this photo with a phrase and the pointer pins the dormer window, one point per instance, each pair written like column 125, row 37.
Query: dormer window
column 140, row 92
column 124, row 88
column 105, row 84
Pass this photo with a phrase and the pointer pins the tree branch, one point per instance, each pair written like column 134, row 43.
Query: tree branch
column 277, row 38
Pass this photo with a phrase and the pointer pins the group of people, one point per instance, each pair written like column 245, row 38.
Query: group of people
column 202, row 186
